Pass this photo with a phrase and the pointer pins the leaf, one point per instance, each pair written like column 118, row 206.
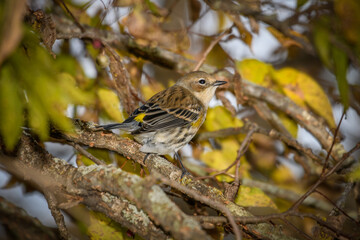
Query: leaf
column 149, row 29
column 77, row 96
column 221, row 159
column 299, row 87
column 340, row 65
column 101, row 154
column 282, row 174
column 304, row 90
column 222, row 20
column 54, row 101
column 285, row 41
column 96, row 225
column 194, row 10
column 347, row 12
column 289, row 124
column 322, row 42
column 150, row 90
column 300, row 3
column 354, row 176
column 218, row 118
column 11, row 108
column 111, row 104
column 245, row 35
column 38, row 117
column 255, row 71
column 217, row 56
column 155, row 9
column 253, row 197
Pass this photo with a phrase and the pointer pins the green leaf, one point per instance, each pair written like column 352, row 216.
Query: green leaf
column 153, row 8
column 11, row 108
column 322, row 43
column 38, row 117
column 355, row 174
column 301, row 3
column 68, row 84
column 340, row 65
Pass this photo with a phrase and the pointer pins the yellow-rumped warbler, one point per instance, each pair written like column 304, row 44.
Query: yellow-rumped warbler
column 171, row 118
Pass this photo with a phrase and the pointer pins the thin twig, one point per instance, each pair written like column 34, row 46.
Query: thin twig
column 324, row 177
column 297, row 229
column 210, row 47
column 338, row 208
column 56, row 213
column 72, row 15
column 332, row 144
column 267, row 218
column 87, row 154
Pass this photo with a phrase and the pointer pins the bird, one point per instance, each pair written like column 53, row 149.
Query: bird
column 171, row 118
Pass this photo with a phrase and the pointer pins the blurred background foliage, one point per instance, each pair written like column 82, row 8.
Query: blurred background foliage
column 309, row 52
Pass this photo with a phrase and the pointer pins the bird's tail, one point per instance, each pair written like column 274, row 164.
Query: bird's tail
column 111, row 126
column 125, row 126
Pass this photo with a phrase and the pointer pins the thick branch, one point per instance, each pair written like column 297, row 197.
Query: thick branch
column 38, row 168
column 86, row 135
column 23, row 226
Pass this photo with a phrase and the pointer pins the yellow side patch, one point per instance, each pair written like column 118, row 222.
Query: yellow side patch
column 140, row 117
column 198, row 122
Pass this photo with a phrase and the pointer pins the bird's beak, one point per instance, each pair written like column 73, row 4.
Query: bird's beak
column 219, row 83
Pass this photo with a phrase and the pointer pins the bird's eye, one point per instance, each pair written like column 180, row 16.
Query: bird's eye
column 202, row 81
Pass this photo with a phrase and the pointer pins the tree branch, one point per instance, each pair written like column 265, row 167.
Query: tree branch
column 23, row 226
column 87, row 134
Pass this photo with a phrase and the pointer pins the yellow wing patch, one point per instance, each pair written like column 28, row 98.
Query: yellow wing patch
column 140, row 117
column 198, row 122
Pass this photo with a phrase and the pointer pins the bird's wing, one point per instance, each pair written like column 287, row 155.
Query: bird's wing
column 170, row 108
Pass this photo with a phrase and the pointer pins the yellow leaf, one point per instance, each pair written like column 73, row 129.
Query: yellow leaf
column 100, row 154
column 221, row 159
column 255, row 71
column 262, row 159
column 253, row 197
column 150, row 90
column 282, row 174
column 289, row 124
column 304, row 90
column 218, row 118
column 111, row 104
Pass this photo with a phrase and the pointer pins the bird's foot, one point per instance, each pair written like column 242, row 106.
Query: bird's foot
column 184, row 171
column 146, row 157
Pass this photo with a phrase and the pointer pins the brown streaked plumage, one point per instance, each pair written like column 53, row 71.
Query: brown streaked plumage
column 171, row 118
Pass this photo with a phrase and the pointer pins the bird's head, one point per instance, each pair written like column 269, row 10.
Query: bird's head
column 201, row 84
